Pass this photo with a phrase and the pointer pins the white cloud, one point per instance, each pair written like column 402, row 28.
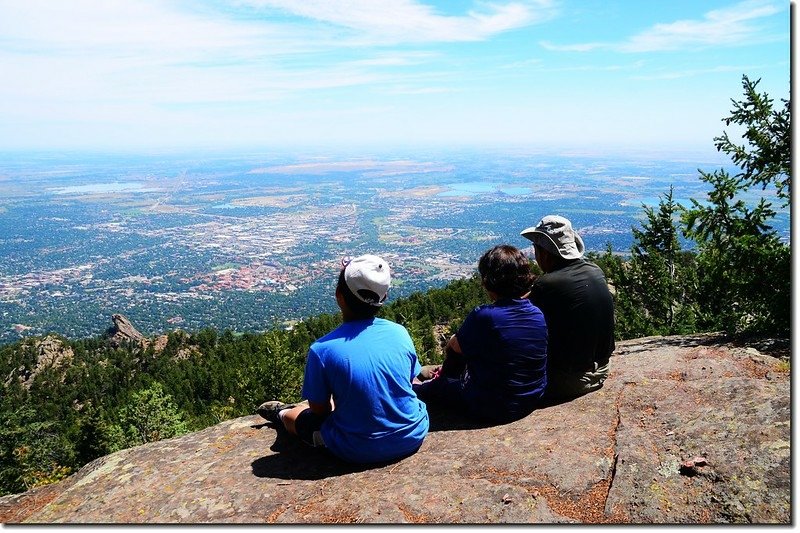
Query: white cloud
column 398, row 59
column 411, row 21
column 524, row 64
column 421, row 90
column 583, row 47
column 151, row 52
column 540, row 67
column 65, row 81
column 116, row 28
column 159, row 71
column 722, row 27
column 58, row 55
column 730, row 26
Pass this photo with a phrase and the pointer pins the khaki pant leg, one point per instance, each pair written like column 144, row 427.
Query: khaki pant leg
column 567, row 385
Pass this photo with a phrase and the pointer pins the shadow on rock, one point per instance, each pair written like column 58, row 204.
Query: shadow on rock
column 444, row 418
column 647, row 344
column 293, row 459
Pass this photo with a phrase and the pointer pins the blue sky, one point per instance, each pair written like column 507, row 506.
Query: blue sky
column 581, row 74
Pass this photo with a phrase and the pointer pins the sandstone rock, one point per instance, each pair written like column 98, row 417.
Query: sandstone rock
column 159, row 343
column 187, row 352
column 51, row 353
column 613, row 456
column 123, row 332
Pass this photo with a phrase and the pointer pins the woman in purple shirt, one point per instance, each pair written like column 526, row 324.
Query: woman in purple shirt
column 495, row 365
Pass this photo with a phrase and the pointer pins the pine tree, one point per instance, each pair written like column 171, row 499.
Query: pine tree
column 744, row 268
column 765, row 157
column 660, row 277
column 151, row 415
column 33, row 452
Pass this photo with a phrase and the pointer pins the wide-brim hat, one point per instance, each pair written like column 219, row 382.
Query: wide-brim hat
column 555, row 234
column 368, row 277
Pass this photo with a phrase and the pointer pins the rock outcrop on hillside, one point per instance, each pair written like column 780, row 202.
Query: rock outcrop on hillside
column 686, row 430
column 123, row 331
column 51, row 353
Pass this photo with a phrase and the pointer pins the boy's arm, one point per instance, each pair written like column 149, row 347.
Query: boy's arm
column 321, row 408
column 314, row 386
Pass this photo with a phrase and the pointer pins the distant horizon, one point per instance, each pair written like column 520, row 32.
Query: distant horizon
column 89, row 75
column 365, row 150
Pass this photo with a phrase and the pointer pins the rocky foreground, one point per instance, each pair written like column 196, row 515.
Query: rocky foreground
column 686, row 430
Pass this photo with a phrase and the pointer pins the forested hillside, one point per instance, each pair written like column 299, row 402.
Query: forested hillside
column 65, row 402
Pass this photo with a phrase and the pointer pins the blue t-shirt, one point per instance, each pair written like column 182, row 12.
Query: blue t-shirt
column 505, row 347
column 367, row 366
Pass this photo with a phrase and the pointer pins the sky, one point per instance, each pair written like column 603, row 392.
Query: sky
column 141, row 75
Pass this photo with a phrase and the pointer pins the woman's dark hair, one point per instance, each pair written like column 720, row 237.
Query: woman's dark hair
column 358, row 307
column 505, row 270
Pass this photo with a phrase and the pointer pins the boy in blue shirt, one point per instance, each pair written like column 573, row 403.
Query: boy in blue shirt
column 357, row 380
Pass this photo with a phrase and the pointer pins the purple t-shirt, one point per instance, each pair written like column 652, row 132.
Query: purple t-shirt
column 505, row 346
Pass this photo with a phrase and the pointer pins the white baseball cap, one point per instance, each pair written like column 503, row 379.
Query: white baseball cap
column 368, row 278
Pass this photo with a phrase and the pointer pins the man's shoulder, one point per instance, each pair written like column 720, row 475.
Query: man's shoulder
column 566, row 276
column 570, row 269
column 593, row 271
column 591, row 265
column 548, row 279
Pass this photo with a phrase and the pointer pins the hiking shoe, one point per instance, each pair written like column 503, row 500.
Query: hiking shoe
column 429, row 372
column 269, row 410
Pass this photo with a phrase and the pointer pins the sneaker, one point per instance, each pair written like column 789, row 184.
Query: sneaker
column 269, row 410
column 429, row 372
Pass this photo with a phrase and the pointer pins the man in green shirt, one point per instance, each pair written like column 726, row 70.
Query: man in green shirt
column 578, row 308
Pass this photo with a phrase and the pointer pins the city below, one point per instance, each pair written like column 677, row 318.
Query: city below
column 250, row 242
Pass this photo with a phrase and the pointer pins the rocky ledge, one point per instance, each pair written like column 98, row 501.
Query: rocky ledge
column 686, row 430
